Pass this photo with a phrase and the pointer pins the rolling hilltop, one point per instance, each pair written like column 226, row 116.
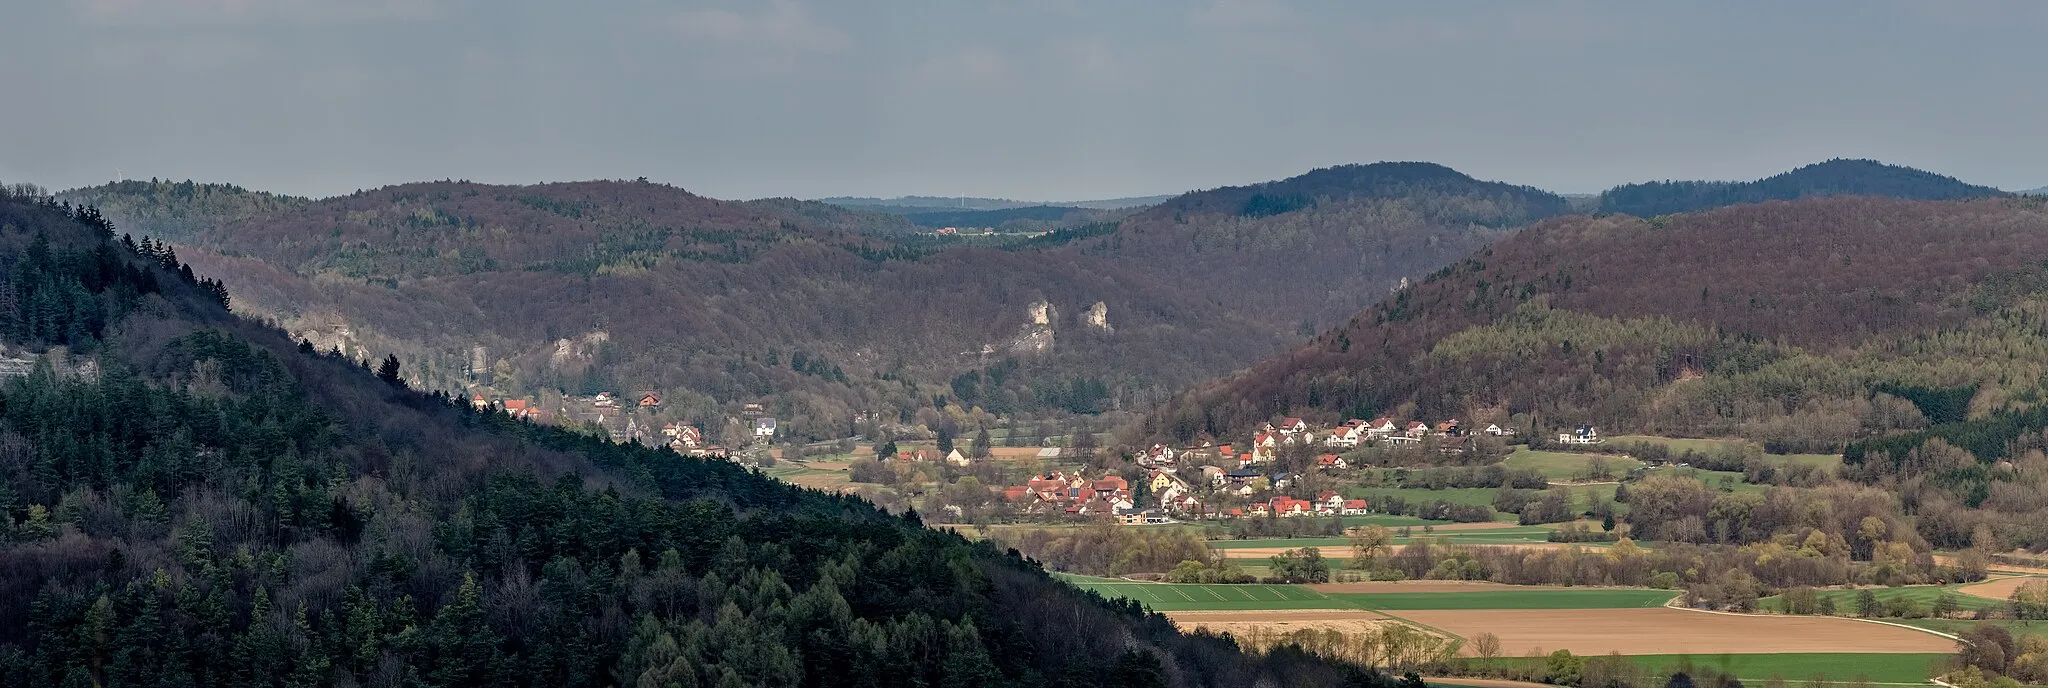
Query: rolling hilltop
column 1807, row 325
column 1831, row 178
column 1314, row 248
column 189, row 498
column 822, row 311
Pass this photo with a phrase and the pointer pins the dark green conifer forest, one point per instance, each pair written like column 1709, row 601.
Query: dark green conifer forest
column 188, row 498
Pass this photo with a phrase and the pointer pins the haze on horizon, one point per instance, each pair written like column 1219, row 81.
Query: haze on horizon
column 1028, row 99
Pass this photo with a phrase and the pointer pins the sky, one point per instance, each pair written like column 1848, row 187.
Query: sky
column 1027, row 99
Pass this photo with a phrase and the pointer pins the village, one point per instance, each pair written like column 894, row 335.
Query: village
column 1286, row 469
column 1229, row 481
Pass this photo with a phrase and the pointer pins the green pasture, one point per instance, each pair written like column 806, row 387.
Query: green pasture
column 1803, row 667
column 1958, row 626
column 1922, row 595
column 1589, row 598
column 1792, row 667
column 1565, row 466
column 1505, row 535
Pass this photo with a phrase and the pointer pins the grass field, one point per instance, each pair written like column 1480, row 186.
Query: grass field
column 1824, row 461
column 1877, row 668
column 1565, row 466
column 1592, row 598
column 1504, row 535
column 1793, row 667
column 1178, row 597
column 1923, row 595
column 1958, row 626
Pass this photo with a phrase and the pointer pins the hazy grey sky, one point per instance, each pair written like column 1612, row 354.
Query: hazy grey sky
column 1044, row 99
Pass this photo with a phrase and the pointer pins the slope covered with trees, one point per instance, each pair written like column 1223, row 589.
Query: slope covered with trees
column 1729, row 321
column 188, row 498
column 1907, row 335
column 823, row 313
column 1832, row 178
column 1300, row 253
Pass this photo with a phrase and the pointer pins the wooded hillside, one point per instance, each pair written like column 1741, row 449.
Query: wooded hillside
column 1807, row 324
column 619, row 286
column 1301, row 253
column 1831, row 178
column 188, row 498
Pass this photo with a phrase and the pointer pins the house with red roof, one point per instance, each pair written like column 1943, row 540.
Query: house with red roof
column 1288, row 507
column 1381, row 427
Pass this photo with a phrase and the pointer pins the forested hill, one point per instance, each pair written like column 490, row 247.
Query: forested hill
column 1831, row 178
column 1303, row 252
column 190, row 499
column 1806, row 324
column 821, row 312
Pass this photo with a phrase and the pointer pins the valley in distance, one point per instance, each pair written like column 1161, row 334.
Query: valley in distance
column 1372, row 425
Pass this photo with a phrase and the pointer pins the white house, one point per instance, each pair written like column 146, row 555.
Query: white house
column 764, row 427
column 1584, row 434
column 1381, row 427
column 1342, row 436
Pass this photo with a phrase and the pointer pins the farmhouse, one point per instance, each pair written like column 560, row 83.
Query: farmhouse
column 1381, row 427
column 1288, row 507
column 1293, row 426
column 1584, row 434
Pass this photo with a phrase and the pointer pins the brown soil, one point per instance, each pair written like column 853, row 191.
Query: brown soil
column 1278, row 620
column 1948, row 560
column 1484, row 682
column 1673, row 631
column 1996, row 588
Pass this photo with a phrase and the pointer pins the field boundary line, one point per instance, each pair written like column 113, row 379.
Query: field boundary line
column 1673, row 603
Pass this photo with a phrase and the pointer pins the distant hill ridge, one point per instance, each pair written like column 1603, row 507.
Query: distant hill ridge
column 1839, row 177
column 913, row 204
column 1798, row 324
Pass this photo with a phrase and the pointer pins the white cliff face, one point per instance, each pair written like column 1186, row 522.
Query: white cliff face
column 1039, row 313
column 568, row 351
column 1037, row 335
column 1098, row 317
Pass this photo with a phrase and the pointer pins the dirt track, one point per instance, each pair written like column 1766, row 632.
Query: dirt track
column 1673, row 631
column 1997, row 588
column 1278, row 620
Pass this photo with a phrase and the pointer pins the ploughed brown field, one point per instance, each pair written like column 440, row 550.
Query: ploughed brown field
column 1997, row 588
column 1950, row 560
column 1673, row 631
column 1243, row 622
